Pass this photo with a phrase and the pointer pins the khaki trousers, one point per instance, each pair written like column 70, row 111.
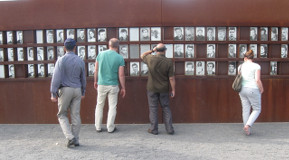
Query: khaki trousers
column 70, row 99
column 112, row 93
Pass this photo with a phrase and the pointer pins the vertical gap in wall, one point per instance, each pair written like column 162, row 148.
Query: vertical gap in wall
column 162, row 21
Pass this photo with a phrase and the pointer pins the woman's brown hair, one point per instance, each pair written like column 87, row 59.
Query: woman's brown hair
column 249, row 54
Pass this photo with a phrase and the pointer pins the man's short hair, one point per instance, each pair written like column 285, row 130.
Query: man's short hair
column 134, row 64
column 114, row 43
column 123, row 30
column 210, row 63
column 101, row 30
column 70, row 44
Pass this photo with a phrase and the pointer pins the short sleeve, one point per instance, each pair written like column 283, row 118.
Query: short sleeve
column 146, row 58
column 122, row 62
column 171, row 70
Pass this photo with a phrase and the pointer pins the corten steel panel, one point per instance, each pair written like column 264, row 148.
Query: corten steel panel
column 197, row 100
column 225, row 12
column 46, row 14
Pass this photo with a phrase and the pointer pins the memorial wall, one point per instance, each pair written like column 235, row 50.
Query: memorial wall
column 206, row 41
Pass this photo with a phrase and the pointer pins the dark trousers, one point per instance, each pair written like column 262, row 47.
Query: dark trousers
column 153, row 100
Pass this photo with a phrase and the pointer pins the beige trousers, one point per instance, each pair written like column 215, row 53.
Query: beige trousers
column 70, row 99
column 112, row 93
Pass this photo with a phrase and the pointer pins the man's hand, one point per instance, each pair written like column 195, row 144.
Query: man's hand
column 122, row 92
column 95, row 85
column 173, row 94
column 53, row 99
column 82, row 97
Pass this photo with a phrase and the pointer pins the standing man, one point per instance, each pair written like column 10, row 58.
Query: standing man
column 161, row 76
column 109, row 72
column 68, row 84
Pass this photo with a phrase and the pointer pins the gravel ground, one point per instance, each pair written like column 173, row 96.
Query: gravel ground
column 204, row 141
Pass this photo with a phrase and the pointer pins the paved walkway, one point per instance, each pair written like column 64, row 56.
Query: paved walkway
column 201, row 141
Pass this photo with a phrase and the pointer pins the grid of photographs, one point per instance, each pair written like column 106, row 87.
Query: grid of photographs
column 197, row 48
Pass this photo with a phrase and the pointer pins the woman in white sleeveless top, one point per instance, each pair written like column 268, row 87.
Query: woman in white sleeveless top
column 252, row 89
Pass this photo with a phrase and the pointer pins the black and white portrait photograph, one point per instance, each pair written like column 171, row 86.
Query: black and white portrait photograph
column 123, row 34
column 145, row 34
column 144, row 48
column 144, row 69
column 179, row 50
column 200, row 33
column 211, row 69
column 284, row 50
column 189, row 33
column 39, row 36
column 10, row 52
column 134, row 51
column 91, row 68
column 274, row 33
column 189, row 68
column 273, row 66
column 80, row 35
column 264, row 33
column 81, row 52
column 70, row 33
column 60, row 51
column 211, row 33
column 11, row 70
column 60, row 36
column 222, row 32
column 30, row 54
column 19, row 37
column 91, row 52
column 242, row 50
column 253, row 33
column 102, row 48
column 232, row 68
column 169, row 51
column 31, row 71
column 134, row 34
column 190, row 51
column 123, row 50
column 50, row 69
column 49, row 36
column 284, row 34
column 102, row 36
column 1, row 37
column 232, row 33
column 200, row 68
column 2, row 71
column 50, row 53
column 134, row 68
column 41, row 70
column 40, row 54
column 232, row 50
column 263, row 50
column 178, row 33
column 254, row 48
column 20, row 54
column 1, row 55
column 211, row 50
column 9, row 35
column 155, row 33
column 91, row 35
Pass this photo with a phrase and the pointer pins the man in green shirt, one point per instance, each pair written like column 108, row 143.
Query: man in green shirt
column 160, row 77
column 109, row 71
